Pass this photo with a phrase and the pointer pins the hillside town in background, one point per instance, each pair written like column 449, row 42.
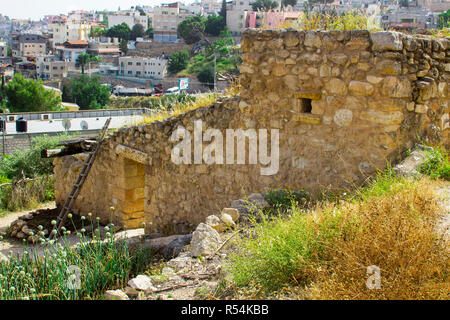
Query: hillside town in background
column 130, row 50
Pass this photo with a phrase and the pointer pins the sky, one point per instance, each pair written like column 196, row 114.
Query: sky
column 36, row 9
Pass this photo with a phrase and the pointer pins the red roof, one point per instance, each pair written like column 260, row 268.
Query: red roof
column 77, row 42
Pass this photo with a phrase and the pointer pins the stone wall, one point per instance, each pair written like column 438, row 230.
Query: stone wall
column 23, row 141
column 344, row 103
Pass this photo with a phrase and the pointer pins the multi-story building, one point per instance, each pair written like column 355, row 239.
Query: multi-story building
column 3, row 50
column 142, row 67
column 130, row 18
column 237, row 16
column 62, row 31
column 166, row 19
column 434, row 5
column 103, row 46
column 211, row 6
column 70, row 50
column 23, row 45
column 409, row 19
column 50, row 67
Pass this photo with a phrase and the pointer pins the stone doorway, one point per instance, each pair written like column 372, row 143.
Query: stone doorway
column 132, row 194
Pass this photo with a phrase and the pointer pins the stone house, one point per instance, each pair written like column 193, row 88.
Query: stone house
column 336, row 105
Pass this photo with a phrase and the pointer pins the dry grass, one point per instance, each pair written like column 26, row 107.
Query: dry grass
column 323, row 21
column 395, row 233
column 201, row 101
column 325, row 254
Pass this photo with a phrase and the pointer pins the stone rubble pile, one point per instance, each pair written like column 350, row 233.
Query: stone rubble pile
column 197, row 263
column 22, row 228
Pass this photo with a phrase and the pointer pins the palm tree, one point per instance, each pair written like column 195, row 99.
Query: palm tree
column 85, row 58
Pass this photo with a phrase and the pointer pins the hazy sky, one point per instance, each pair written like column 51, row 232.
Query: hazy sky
column 36, row 9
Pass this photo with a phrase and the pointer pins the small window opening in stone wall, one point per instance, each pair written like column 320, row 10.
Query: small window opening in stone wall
column 305, row 105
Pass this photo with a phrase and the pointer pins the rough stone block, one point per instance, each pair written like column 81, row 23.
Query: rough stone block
column 386, row 41
column 361, row 88
column 313, row 95
column 306, row 118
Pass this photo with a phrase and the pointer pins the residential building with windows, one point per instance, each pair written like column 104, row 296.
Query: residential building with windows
column 166, row 19
column 73, row 30
column 31, row 45
column 130, row 18
column 3, row 50
column 50, row 68
column 103, row 46
column 211, row 6
column 70, row 50
column 142, row 67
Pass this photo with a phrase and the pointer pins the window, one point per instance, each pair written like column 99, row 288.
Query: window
column 130, row 63
column 138, row 63
column 138, row 73
column 130, row 72
column 305, row 105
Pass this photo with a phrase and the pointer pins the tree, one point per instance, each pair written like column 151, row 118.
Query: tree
column 214, row 25
column 223, row 11
column 149, row 32
column 444, row 19
column 97, row 32
column 137, row 31
column 123, row 46
column 87, row 92
column 264, row 5
column 178, row 61
column 285, row 3
column 26, row 95
column 85, row 58
column 121, row 31
column 206, row 76
column 191, row 29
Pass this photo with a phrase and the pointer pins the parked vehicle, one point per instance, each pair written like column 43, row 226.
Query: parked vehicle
column 173, row 90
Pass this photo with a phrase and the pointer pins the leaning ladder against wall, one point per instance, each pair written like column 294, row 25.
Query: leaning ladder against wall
column 79, row 183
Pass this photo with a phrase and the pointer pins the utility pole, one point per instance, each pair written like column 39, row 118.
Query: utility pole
column 214, row 70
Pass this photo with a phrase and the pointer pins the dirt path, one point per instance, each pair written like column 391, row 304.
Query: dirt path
column 6, row 220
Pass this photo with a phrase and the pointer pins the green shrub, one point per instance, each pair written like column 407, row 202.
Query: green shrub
column 28, row 162
column 285, row 198
column 284, row 250
column 102, row 265
column 437, row 164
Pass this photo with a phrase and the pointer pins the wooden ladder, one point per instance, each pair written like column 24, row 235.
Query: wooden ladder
column 79, row 183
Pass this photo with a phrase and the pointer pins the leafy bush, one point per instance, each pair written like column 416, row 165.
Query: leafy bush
column 26, row 95
column 437, row 164
column 87, row 92
column 178, row 61
column 28, row 162
column 285, row 198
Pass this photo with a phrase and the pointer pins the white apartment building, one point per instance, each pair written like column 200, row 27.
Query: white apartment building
column 141, row 67
column 166, row 19
column 130, row 19
column 62, row 31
